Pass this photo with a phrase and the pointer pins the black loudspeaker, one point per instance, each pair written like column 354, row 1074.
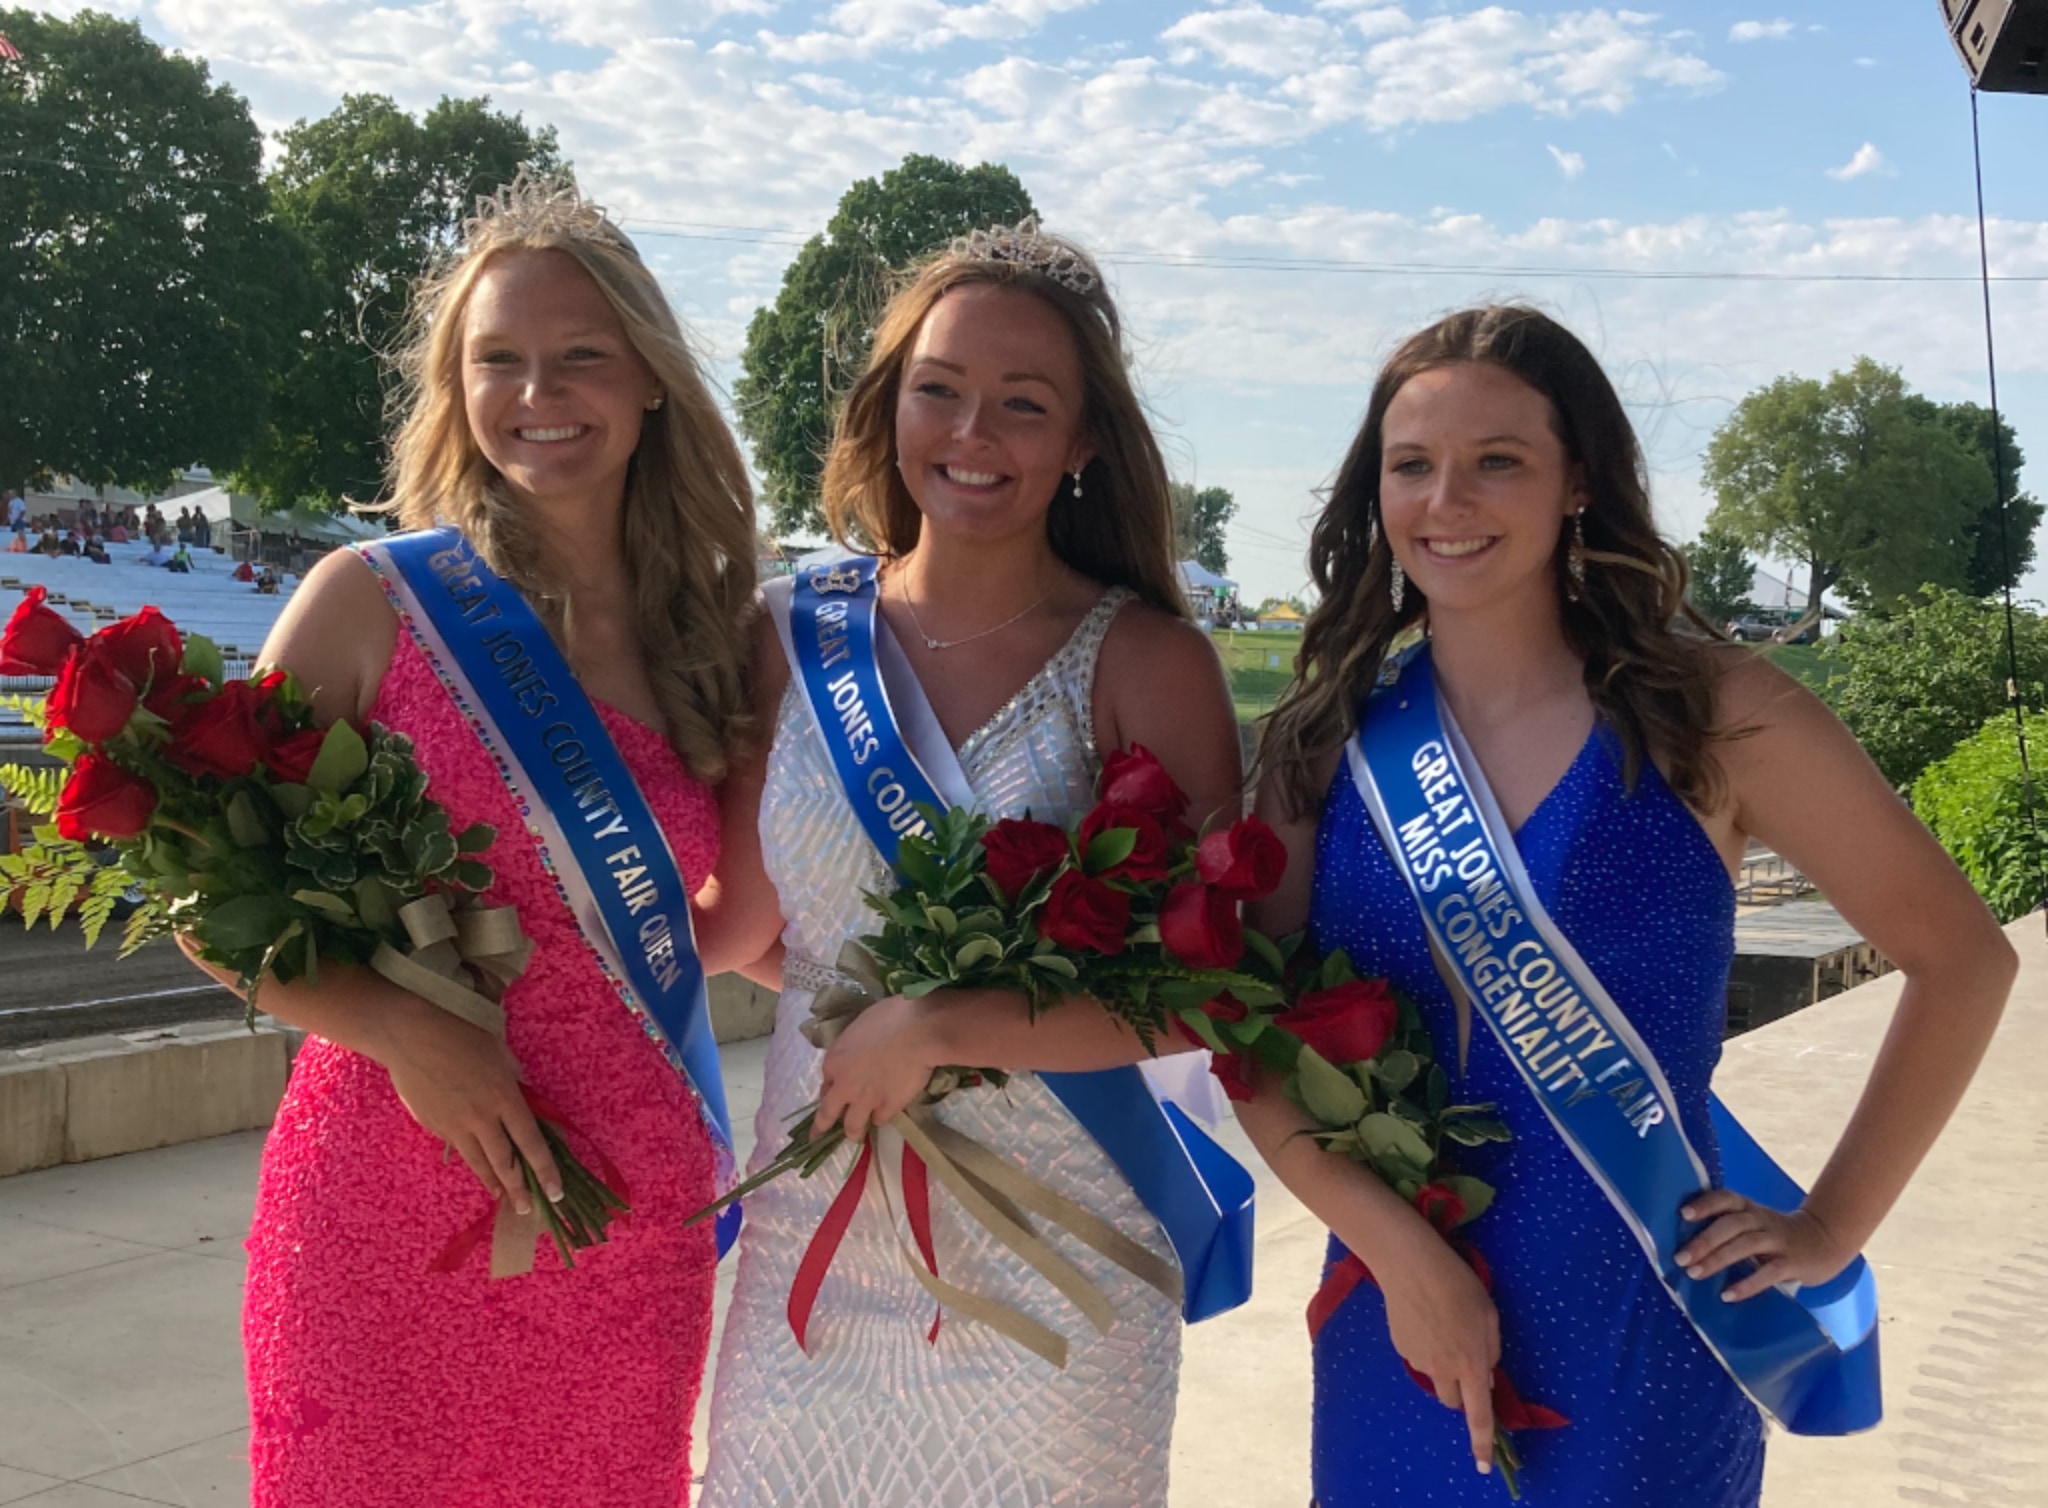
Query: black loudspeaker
column 2004, row 43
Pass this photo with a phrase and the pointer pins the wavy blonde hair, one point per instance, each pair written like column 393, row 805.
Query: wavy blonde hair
column 1118, row 530
column 688, row 521
column 1649, row 664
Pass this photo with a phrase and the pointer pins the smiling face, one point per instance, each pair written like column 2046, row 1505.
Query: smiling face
column 1475, row 485
column 554, row 391
column 988, row 415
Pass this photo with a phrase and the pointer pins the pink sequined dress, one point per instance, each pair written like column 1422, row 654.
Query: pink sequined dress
column 376, row 1382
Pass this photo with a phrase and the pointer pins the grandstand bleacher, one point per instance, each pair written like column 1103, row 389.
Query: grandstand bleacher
column 208, row 601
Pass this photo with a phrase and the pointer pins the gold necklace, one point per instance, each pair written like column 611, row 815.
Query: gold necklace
column 931, row 643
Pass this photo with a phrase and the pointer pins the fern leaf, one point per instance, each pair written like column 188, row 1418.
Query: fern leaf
column 30, row 709
column 94, row 914
column 36, row 789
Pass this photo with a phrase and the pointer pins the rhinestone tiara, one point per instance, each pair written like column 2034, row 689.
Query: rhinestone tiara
column 1025, row 245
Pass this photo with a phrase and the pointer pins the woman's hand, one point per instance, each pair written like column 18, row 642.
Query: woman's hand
column 1794, row 1247
column 462, row 1085
column 1442, row 1321
column 876, row 1069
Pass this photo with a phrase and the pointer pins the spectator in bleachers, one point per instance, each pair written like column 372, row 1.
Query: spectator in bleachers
column 268, row 582
column 96, row 551
column 88, row 517
column 244, row 571
column 181, row 559
column 17, row 513
column 130, row 521
column 159, row 550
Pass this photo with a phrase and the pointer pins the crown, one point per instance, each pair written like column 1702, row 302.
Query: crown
column 840, row 578
column 1025, row 245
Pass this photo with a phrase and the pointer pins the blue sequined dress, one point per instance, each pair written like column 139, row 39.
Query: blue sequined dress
column 1635, row 883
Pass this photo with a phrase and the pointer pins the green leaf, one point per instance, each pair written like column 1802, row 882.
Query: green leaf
column 245, row 824
column 247, row 921
column 472, row 875
column 1052, row 963
column 343, row 757
column 975, row 950
column 1327, row 1091
column 293, row 800
column 202, row 658
column 1266, row 948
column 326, row 904
column 1199, row 1023
column 1109, row 849
column 1397, row 1070
column 1477, row 1196
column 476, row 837
column 943, row 918
column 376, row 903
column 1336, row 970
column 919, row 988
column 1390, row 1135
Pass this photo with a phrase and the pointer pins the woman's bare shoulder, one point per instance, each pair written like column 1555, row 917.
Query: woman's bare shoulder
column 336, row 635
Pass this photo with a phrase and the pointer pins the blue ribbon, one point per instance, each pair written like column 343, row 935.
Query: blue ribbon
column 1809, row 1360
column 1198, row 1192
column 532, row 714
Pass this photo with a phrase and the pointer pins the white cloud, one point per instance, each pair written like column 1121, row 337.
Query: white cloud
column 1251, row 38
column 1760, row 31
column 1571, row 164
column 1867, row 160
column 862, row 28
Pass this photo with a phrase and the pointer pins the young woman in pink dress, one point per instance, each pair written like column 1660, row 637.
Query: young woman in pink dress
column 558, row 419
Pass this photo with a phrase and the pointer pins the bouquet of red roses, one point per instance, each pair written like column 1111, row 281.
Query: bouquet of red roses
column 274, row 844
column 1356, row 1056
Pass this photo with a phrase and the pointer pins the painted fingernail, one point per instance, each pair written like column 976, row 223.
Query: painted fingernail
column 1695, row 1272
column 523, row 1205
column 1486, row 1468
column 1727, row 1295
column 1688, row 1213
column 554, row 1193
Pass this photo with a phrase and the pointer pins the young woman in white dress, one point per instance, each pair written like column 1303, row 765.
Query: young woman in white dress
column 995, row 456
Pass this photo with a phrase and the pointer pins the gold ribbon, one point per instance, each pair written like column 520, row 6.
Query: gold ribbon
column 992, row 1190
column 447, row 938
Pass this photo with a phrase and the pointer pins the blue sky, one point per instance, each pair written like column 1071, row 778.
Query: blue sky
column 1552, row 146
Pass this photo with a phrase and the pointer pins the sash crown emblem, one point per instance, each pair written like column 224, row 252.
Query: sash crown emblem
column 836, row 579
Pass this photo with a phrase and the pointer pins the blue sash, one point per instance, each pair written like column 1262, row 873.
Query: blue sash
column 1808, row 1359
column 598, row 839
column 1197, row 1191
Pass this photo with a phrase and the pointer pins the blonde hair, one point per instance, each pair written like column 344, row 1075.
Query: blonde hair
column 688, row 520
column 1117, row 528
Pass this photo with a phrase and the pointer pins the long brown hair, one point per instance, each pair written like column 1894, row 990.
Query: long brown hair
column 1648, row 665
column 1118, row 531
column 688, row 520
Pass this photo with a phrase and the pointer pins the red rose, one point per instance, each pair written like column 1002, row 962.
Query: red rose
column 144, row 647
column 37, row 638
column 1019, row 852
column 219, row 736
column 1134, row 777
column 1244, row 861
column 167, row 697
column 1084, row 913
column 1225, row 1007
column 102, row 800
column 291, row 758
column 1231, row 1072
column 92, row 699
column 1347, row 1023
column 1148, row 857
column 1199, row 926
column 1441, row 1207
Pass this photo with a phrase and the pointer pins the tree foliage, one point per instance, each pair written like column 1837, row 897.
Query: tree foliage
column 1853, row 479
column 1975, row 803
column 372, row 195
column 1722, row 576
column 1987, row 569
column 807, row 347
column 1199, row 519
column 1914, row 684
column 140, row 300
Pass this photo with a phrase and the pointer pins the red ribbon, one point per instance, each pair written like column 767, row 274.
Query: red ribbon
column 917, row 1208
column 1511, row 1411
column 810, row 1273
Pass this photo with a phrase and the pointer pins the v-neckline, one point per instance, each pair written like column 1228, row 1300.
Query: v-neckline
column 1592, row 737
column 961, row 748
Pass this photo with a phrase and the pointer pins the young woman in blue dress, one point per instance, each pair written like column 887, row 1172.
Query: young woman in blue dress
column 1495, row 496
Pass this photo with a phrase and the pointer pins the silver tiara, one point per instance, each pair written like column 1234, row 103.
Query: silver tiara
column 1025, row 245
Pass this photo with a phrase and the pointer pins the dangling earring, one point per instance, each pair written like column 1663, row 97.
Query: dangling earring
column 1077, row 481
column 1397, row 581
column 1575, row 559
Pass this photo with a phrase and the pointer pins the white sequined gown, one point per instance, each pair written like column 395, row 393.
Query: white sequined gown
column 875, row 1417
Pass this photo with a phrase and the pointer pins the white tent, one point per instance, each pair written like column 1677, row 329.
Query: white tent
column 1196, row 577
column 239, row 512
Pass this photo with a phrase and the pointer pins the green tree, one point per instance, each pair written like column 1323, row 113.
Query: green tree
column 1198, row 523
column 373, row 195
column 1975, row 801
column 806, row 348
column 1986, row 570
column 1270, row 603
column 1913, row 684
column 1849, row 478
column 1723, row 575
column 139, row 289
